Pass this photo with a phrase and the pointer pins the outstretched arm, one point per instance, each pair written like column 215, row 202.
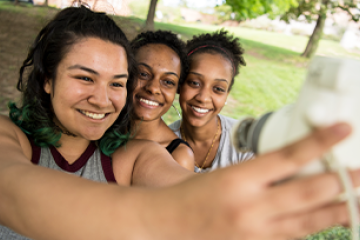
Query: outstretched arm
column 14, row 145
column 147, row 163
column 239, row 201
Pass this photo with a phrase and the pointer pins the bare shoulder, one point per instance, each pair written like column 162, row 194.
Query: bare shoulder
column 9, row 129
column 11, row 135
column 137, row 146
column 5, row 121
column 184, row 155
column 126, row 157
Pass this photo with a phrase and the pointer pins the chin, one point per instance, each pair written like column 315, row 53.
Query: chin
column 92, row 136
column 146, row 117
column 196, row 122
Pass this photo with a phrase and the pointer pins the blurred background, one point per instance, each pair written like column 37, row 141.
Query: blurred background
column 279, row 37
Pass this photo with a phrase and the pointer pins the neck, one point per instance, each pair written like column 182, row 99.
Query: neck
column 148, row 129
column 200, row 134
column 72, row 147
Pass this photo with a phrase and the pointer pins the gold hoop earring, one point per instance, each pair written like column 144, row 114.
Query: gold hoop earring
column 177, row 111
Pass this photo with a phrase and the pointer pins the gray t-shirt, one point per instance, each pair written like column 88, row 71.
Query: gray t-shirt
column 226, row 154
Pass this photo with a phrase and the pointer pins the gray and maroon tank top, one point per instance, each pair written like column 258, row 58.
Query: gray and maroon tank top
column 92, row 165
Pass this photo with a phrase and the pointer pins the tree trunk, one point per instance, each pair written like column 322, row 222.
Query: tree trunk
column 16, row 2
column 46, row 3
column 151, row 14
column 315, row 37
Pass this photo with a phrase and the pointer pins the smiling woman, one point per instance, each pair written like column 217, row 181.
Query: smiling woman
column 74, row 94
column 214, row 62
column 93, row 74
column 162, row 66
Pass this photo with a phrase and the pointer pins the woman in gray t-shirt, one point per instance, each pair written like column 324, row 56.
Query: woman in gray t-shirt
column 214, row 62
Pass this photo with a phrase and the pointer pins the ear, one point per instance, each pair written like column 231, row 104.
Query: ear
column 48, row 86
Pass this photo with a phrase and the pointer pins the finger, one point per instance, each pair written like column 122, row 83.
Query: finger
column 287, row 161
column 303, row 194
column 303, row 224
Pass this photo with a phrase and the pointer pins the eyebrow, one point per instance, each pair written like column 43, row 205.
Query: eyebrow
column 147, row 66
column 89, row 70
column 216, row 79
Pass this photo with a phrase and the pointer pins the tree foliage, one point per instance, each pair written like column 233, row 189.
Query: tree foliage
column 224, row 12
column 249, row 9
column 319, row 10
column 311, row 9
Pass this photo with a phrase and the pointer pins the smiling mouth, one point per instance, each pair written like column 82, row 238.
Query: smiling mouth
column 148, row 102
column 200, row 110
column 96, row 116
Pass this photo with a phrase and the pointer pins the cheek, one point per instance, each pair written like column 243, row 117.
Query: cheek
column 170, row 95
column 119, row 100
column 73, row 91
column 67, row 95
column 141, row 83
column 186, row 93
column 220, row 102
column 138, row 87
column 182, row 98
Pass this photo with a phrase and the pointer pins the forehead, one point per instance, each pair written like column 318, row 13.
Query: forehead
column 212, row 65
column 157, row 54
column 98, row 54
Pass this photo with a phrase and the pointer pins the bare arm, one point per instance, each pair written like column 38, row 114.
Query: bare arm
column 241, row 201
column 146, row 163
column 33, row 199
column 14, row 145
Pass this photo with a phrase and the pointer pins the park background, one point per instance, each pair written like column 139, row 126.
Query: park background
column 274, row 49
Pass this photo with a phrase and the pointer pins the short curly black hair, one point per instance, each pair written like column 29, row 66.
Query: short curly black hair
column 167, row 38
column 220, row 42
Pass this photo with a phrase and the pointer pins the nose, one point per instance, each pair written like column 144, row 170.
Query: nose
column 153, row 86
column 100, row 97
column 204, row 95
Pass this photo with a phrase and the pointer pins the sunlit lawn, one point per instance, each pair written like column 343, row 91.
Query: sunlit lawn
column 291, row 42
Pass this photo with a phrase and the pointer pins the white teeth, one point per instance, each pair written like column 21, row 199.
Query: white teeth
column 200, row 110
column 148, row 102
column 93, row 115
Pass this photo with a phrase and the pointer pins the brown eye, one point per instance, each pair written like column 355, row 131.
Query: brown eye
column 193, row 83
column 144, row 76
column 219, row 89
column 117, row 85
column 87, row 79
column 169, row 83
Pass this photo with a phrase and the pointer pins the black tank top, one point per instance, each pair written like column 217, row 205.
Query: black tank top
column 175, row 143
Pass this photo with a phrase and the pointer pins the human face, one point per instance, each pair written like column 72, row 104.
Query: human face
column 89, row 91
column 204, row 92
column 159, row 72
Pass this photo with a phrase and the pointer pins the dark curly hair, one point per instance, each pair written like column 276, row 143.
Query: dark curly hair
column 167, row 38
column 220, row 42
column 69, row 26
